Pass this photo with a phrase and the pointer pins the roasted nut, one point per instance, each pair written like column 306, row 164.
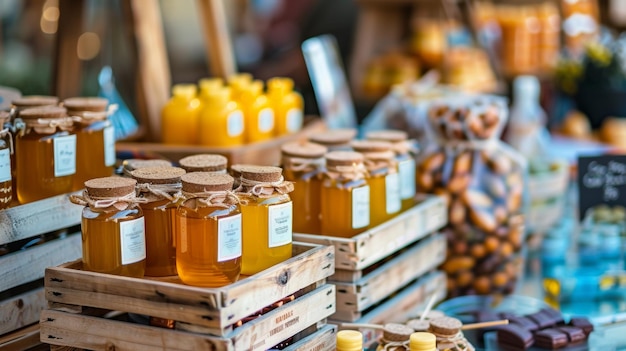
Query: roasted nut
column 451, row 285
column 475, row 125
column 482, row 284
column 478, row 251
column 500, row 279
column 483, row 220
column 434, row 162
column 463, row 163
column 514, row 202
column 500, row 164
column 506, row 249
column 500, row 214
column 456, row 264
column 464, row 278
column 458, row 213
column 425, row 182
column 459, row 248
column 476, row 198
column 459, row 182
column 491, row 244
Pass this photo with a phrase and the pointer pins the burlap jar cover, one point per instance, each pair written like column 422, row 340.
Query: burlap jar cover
column 159, row 184
column 88, row 110
column 43, row 120
column 206, row 189
column 262, row 182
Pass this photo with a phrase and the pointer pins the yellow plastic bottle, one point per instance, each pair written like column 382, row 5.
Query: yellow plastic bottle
column 238, row 83
column 221, row 120
column 209, row 84
column 179, row 117
column 257, row 112
column 288, row 105
column 349, row 340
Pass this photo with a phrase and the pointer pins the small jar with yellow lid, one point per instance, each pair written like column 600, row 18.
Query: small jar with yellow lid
column 383, row 180
column 6, row 158
column 345, row 195
column 113, row 229
column 303, row 164
column 208, row 231
column 95, row 138
column 406, row 162
column 349, row 340
column 161, row 188
column 267, row 217
column 423, row 341
column 334, row 139
column 46, row 158
column 211, row 163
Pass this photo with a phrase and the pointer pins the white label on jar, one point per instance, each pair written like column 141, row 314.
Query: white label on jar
column 234, row 124
column 109, row 146
column 360, row 207
column 133, row 240
column 294, row 120
column 392, row 193
column 5, row 165
column 266, row 120
column 64, row 155
column 406, row 169
column 280, row 224
column 229, row 238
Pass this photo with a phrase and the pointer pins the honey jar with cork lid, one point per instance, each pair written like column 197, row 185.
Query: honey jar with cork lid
column 208, row 231
column 395, row 337
column 46, row 158
column 113, row 229
column 134, row 163
column 30, row 101
column 334, row 139
column 303, row 164
column 204, row 163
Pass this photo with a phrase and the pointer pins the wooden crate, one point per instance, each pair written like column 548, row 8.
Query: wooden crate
column 210, row 314
column 353, row 297
column 323, row 339
column 427, row 216
column 26, row 338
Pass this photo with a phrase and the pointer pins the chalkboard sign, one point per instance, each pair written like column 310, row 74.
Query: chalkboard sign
column 601, row 180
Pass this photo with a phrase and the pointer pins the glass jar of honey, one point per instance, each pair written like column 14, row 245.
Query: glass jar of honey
column 112, row 227
column 161, row 188
column 334, row 139
column 95, row 138
column 303, row 164
column 383, row 180
column 345, row 195
column 406, row 162
column 128, row 166
column 208, row 231
column 6, row 152
column 204, row 163
column 46, row 160
column 267, row 217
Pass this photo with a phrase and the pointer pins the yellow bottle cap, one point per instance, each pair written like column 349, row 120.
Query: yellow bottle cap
column 280, row 84
column 219, row 95
column 245, row 78
column 423, row 341
column 349, row 340
column 184, row 90
column 210, row 83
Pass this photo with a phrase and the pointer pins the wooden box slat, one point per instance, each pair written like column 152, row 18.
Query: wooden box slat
column 366, row 248
column 322, row 340
column 25, row 266
column 21, row 310
column 217, row 309
column 26, row 338
column 36, row 218
column 74, row 330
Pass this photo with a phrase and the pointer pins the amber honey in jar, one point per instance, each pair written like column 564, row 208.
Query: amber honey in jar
column 6, row 152
column 404, row 158
column 383, row 180
column 161, row 188
column 95, row 138
column 112, row 227
column 208, row 231
column 345, row 195
column 267, row 217
column 204, row 163
column 46, row 160
column 334, row 139
column 303, row 164
column 128, row 166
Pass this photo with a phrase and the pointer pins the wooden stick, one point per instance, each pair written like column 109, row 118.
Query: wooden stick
column 484, row 324
column 361, row 325
column 429, row 306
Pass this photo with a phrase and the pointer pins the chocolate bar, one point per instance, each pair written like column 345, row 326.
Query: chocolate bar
column 525, row 323
column 557, row 317
column 551, row 339
column 542, row 319
column 582, row 323
column 515, row 336
column 574, row 334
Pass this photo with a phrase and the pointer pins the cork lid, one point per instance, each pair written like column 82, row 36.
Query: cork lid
column 110, row 186
column 396, row 332
column 203, row 163
column 333, row 137
column 266, row 174
column 133, row 164
column 35, row 100
column 93, row 104
column 158, row 175
column 419, row 325
column 303, row 149
column 371, row 146
column 445, row 325
column 199, row 182
column 43, row 112
column 343, row 158
column 390, row 135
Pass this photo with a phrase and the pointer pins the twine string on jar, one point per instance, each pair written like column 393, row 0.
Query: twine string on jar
column 394, row 345
column 170, row 192
column 6, row 134
column 222, row 199
column 298, row 164
column 264, row 189
column 375, row 161
column 120, row 203
column 43, row 125
column 349, row 172
column 458, row 340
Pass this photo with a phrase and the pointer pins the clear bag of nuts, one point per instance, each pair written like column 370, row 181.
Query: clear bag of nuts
column 483, row 181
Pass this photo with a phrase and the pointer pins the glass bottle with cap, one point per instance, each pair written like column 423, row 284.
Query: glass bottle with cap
column 423, row 341
column 334, row 139
column 208, row 231
column 258, row 114
column 113, row 230
column 267, row 217
column 383, row 180
column 179, row 117
column 345, row 195
column 287, row 104
column 221, row 120
column 404, row 158
column 6, row 152
column 95, row 138
column 161, row 188
column 204, row 163
column 46, row 161
column 303, row 164
column 349, row 340
column 135, row 163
